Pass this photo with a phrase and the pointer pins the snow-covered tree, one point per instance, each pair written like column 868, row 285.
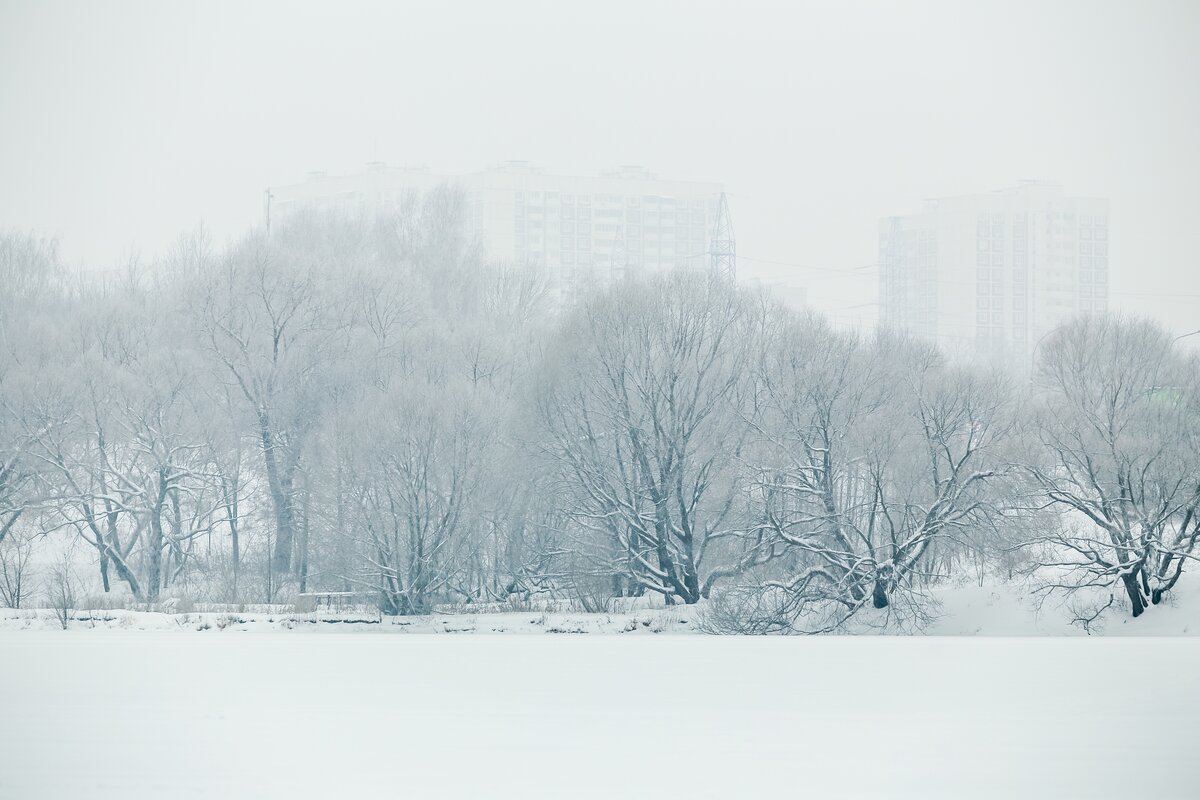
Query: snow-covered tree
column 1115, row 437
column 871, row 453
column 642, row 407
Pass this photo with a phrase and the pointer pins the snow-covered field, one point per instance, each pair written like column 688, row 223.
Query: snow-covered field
column 137, row 715
column 957, row 610
column 141, row 706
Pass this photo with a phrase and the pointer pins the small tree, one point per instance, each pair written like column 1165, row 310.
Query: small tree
column 60, row 592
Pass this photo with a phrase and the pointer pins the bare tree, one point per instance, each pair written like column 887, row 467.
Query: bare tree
column 420, row 456
column 15, row 553
column 268, row 323
column 60, row 591
column 1115, row 429
column 640, row 407
column 871, row 453
column 31, row 274
column 88, row 471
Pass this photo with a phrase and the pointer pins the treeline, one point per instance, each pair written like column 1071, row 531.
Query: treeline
column 352, row 405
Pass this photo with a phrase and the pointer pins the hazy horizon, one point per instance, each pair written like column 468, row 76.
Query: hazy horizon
column 130, row 123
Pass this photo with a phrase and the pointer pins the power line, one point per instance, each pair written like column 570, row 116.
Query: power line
column 849, row 271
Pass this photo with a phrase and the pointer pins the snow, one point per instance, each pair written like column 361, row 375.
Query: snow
column 271, row 704
column 681, row 619
column 152, row 714
column 994, row 609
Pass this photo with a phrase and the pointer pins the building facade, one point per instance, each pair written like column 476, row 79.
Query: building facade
column 992, row 274
column 579, row 229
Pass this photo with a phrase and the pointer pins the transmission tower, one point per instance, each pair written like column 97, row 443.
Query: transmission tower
column 723, row 249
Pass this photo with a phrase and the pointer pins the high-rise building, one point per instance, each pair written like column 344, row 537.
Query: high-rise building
column 579, row 229
column 991, row 274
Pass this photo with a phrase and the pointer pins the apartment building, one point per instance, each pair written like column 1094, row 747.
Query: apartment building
column 580, row 229
column 991, row 274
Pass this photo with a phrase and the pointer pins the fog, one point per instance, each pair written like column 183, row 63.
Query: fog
column 647, row 321
column 127, row 123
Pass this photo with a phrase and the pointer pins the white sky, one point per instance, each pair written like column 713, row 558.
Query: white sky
column 122, row 124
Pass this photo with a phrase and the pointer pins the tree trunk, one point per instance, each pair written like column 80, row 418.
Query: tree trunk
column 155, row 545
column 104, row 571
column 1136, row 601
column 302, row 567
column 691, row 577
column 229, row 496
column 109, row 546
column 175, row 544
column 279, row 482
column 879, row 598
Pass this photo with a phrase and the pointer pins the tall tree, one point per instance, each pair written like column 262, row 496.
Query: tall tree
column 642, row 410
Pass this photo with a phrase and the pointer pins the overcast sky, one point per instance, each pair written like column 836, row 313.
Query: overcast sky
column 122, row 124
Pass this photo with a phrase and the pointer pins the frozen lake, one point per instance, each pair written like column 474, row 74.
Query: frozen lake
column 138, row 715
